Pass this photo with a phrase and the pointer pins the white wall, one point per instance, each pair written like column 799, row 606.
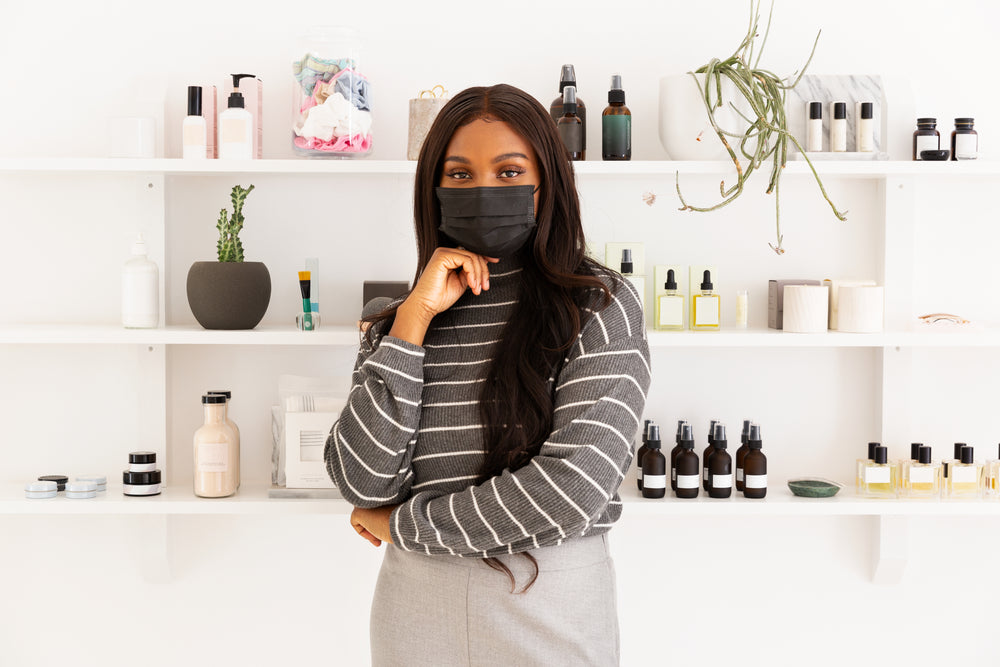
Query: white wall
column 265, row 590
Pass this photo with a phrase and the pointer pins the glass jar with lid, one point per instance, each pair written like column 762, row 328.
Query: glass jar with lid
column 331, row 102
column 926, row 137
column 964, row 140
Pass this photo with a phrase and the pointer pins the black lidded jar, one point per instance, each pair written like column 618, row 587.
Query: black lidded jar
column 720, row 466
column 754, row 466
column 926, row 137
column 964, row 140
column 688, row 479
column 654, row 467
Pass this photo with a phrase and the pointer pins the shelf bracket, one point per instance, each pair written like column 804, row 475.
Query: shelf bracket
column 150, row 537
column 890, row 549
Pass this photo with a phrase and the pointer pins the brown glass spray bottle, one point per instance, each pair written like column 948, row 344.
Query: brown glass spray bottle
column 640, row 452
column 654, row 467
column 673, row 455
column 720, row 466
column 754, row 467
column 688, row 479
column 707, row 454
column 741, row 454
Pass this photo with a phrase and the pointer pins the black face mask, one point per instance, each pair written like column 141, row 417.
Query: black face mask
column 492, row 221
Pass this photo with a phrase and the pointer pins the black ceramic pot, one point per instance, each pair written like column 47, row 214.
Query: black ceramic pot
column 228, row 295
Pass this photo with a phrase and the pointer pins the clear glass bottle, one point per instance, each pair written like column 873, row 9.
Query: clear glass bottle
column 859, row 477
column 903, row 468
column 926, row 137
column 331, row 99
column 879, row 476
column 966, row 477
column 742, row 309
column 946, row 464
column 964, row 140
column 669, row 306
column 992, row 475
column 215, row 452
column 706, row 307
column 638, row 281
column 923, row 477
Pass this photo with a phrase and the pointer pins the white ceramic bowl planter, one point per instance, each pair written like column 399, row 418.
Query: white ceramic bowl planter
column 686, row 130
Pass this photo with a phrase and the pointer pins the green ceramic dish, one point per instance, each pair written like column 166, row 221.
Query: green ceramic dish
column 814, row 487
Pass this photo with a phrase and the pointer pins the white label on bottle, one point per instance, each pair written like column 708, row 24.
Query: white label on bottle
column 671, row 311
column 687, row 481
column 922, row 475
column 213, row 457
column 877, row 475
column 966, row 146
column 706, row 310
column 722, row 481
column 755, row 482
column 927, row 143
column 654, row 482
column 739, row 474
column 964, row 474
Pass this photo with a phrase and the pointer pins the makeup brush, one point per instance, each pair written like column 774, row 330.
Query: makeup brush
column 304, row 286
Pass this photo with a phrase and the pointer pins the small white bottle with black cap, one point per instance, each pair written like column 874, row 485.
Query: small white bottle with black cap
column 814, row 126
column 720, row 466
column 638, row 282
column 194, row 129
column 236, row 127
column 866, row 128
column 654, row 467
column 838, row 127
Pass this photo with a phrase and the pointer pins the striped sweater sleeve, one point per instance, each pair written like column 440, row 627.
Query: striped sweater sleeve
column 567, row 487
column 369, row 448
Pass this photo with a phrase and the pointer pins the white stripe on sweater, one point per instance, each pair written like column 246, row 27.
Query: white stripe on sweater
column 369, row 433
column 588, row 478
column 451, row 404
column 604, row 330
column 586, row 517
column 512, row 517
column 489, row 342
column 535, row 505
column 458, row 363
column 464, row 427
column 369, row 362
column 601, row 354
column 441, row 481
column 605, row 377
column 592, row 422
column 443, row 382
column 340, row 458
column 364, row 465
column 384, row 414
column 599, row 453
column 413, row 353
column 484, row 305
column 628, row 325
column 434, row 456
column 438, row 532
column 482, row 518
column 451, row 508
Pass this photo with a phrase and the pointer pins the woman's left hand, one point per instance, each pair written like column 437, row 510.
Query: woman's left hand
column 373, row 524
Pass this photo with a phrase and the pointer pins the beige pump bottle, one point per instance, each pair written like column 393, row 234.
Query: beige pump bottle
column 236, row 429
column 216, row 452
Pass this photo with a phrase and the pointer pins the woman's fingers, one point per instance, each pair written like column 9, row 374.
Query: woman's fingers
column 361, row 530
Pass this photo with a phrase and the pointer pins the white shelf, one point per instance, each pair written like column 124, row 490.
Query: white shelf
column 250, row 499
column 346, row 335
column 850, row 168
column 253, row 500
column 97, row 334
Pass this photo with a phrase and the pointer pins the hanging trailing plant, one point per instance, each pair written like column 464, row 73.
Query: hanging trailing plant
column 766, row 136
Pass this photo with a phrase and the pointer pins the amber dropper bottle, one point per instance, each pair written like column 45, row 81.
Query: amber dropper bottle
column 755, row 466
column 654, row 467
column 741, row 454
column 673, row 454
column 640, row 452
column 720, row 466
column 687, row 466
column 707, row 454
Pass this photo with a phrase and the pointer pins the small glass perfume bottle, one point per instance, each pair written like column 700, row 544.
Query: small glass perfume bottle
column 670, row 306
column 923, row 478
column 879, row 476
column 948, row 463
column 638, row 282
column 992, row 477
column 706, row 307
column 966, row 477
column 903, row 468
column 859, row 476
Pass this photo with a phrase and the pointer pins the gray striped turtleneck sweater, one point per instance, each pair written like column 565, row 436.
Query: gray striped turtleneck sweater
column 410, row 432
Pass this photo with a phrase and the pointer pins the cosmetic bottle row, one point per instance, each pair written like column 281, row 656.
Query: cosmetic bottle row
column 570, row 114
column 927, row 141
column 232, row 134
column 920, row 476
column 864, row 139
column 716, row 471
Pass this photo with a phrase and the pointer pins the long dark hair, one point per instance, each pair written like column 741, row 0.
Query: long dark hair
column 517, row 401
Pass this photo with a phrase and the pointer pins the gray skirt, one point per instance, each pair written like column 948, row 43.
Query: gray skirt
column 446, row 610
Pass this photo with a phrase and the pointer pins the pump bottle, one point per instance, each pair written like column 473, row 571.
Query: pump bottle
column 654, row 467
column 687, row 465
column 568, row 78
column 720, row 466
column 616, row 124
column 236, row 126
column 570, row 126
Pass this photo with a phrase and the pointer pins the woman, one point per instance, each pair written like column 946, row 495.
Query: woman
column 493, row 408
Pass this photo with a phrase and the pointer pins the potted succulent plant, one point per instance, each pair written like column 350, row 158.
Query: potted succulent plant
column 744, row 106
column 230, row 293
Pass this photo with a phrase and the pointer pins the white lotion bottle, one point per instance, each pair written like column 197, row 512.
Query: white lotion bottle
column 140, row 290
column 235, row 130
column 814, row 127
column 866, row 128
column 194, row 129
column 838, row 127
